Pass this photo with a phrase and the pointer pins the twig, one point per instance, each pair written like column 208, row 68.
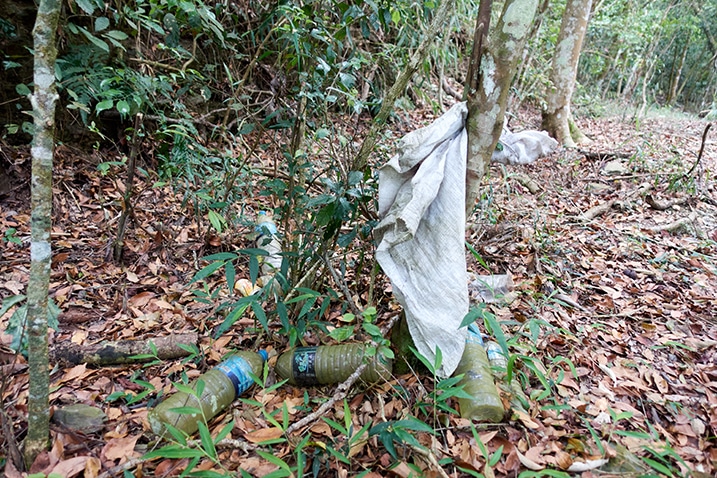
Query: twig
column 340, row 394
column 341, row 390
column 120, row 469
column 194, row 52
column 699, row 155
column 391, row 322
column 451, row 91
column 300, row 283
column 642, row 189
column 122, row 351
column 342, row 285
column 156, row 64
column 14, row 455
column 227, row 443
column 437, row 24
column 118, row 245
column 432, row 460
column 259, row 49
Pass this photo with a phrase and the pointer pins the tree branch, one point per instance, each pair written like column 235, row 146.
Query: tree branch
column 369, row 143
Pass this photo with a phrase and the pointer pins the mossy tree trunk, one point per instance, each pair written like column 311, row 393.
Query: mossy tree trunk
column 43, row 101
column 493, row 64
column 557, row 118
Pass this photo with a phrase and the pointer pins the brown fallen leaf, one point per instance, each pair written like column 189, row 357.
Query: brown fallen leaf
column 120, row 448
column 92, row 467
column 525, row 419
column 528, row 463
column 322, row 428
column 264, row 434
column 563, row 459
column 72, row 467
column 403, row 470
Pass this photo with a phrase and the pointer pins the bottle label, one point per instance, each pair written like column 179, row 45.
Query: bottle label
column 474, row 336
column 237, row 370
column 495, row 356
column 303, row 365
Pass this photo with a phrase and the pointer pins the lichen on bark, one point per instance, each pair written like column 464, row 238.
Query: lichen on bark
column 489, row 88
column 557, row 117
column 43, row 101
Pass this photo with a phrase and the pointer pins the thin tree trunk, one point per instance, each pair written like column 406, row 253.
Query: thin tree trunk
column 43, row 103
column 437, row 24
column 557, row 116
column 527, row 59
column 118, row 245
column 610, row 74
column 493, row 65
column 675, row 83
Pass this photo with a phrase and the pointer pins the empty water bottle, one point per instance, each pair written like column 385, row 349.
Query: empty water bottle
column 485, row 404
column 222, row 385
column 499, row 362
column 331, row 364
column 268, row 241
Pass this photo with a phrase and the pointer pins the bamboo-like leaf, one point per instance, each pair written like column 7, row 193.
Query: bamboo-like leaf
column 206, row 439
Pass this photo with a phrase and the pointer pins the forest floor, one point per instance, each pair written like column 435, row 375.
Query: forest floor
column 614, row 261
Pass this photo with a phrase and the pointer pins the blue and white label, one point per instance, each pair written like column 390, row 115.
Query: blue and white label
column 238, row 370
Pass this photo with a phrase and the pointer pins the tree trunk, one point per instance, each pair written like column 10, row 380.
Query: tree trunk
column 557, row 116
column 43, row 103
column 677, row 76
column 434, row 30
column 493, row 65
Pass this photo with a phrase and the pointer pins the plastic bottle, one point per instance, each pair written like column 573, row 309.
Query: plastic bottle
column 222, row 385
column 485, row 404
column 268, row 241
column 500, row 363
column 495, row 356
column 330, row 364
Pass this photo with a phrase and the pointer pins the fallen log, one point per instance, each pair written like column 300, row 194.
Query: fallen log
column 123, row 351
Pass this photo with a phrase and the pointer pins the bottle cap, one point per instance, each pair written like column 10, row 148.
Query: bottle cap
column 264, row 225
column 264, row 354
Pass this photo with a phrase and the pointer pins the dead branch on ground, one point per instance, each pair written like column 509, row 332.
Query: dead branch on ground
column 123, row 351
column 530, row 183
column 664, row 205
column 675, row 225
column 699, row 155
column 596, row 211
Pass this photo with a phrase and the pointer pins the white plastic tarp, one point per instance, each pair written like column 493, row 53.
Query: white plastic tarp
column 524, row 147
column 421, row 200
column 422, row 230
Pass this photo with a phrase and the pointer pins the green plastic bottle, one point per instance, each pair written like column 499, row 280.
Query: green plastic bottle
column 222, row 385
column 485, row 404
column 328, row 364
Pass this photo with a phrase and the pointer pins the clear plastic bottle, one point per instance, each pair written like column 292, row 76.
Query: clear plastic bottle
column 500, row 364
column 222, row 385
column 330, row 364
column 268, row 241
column 485, row 404
column 495, row 356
